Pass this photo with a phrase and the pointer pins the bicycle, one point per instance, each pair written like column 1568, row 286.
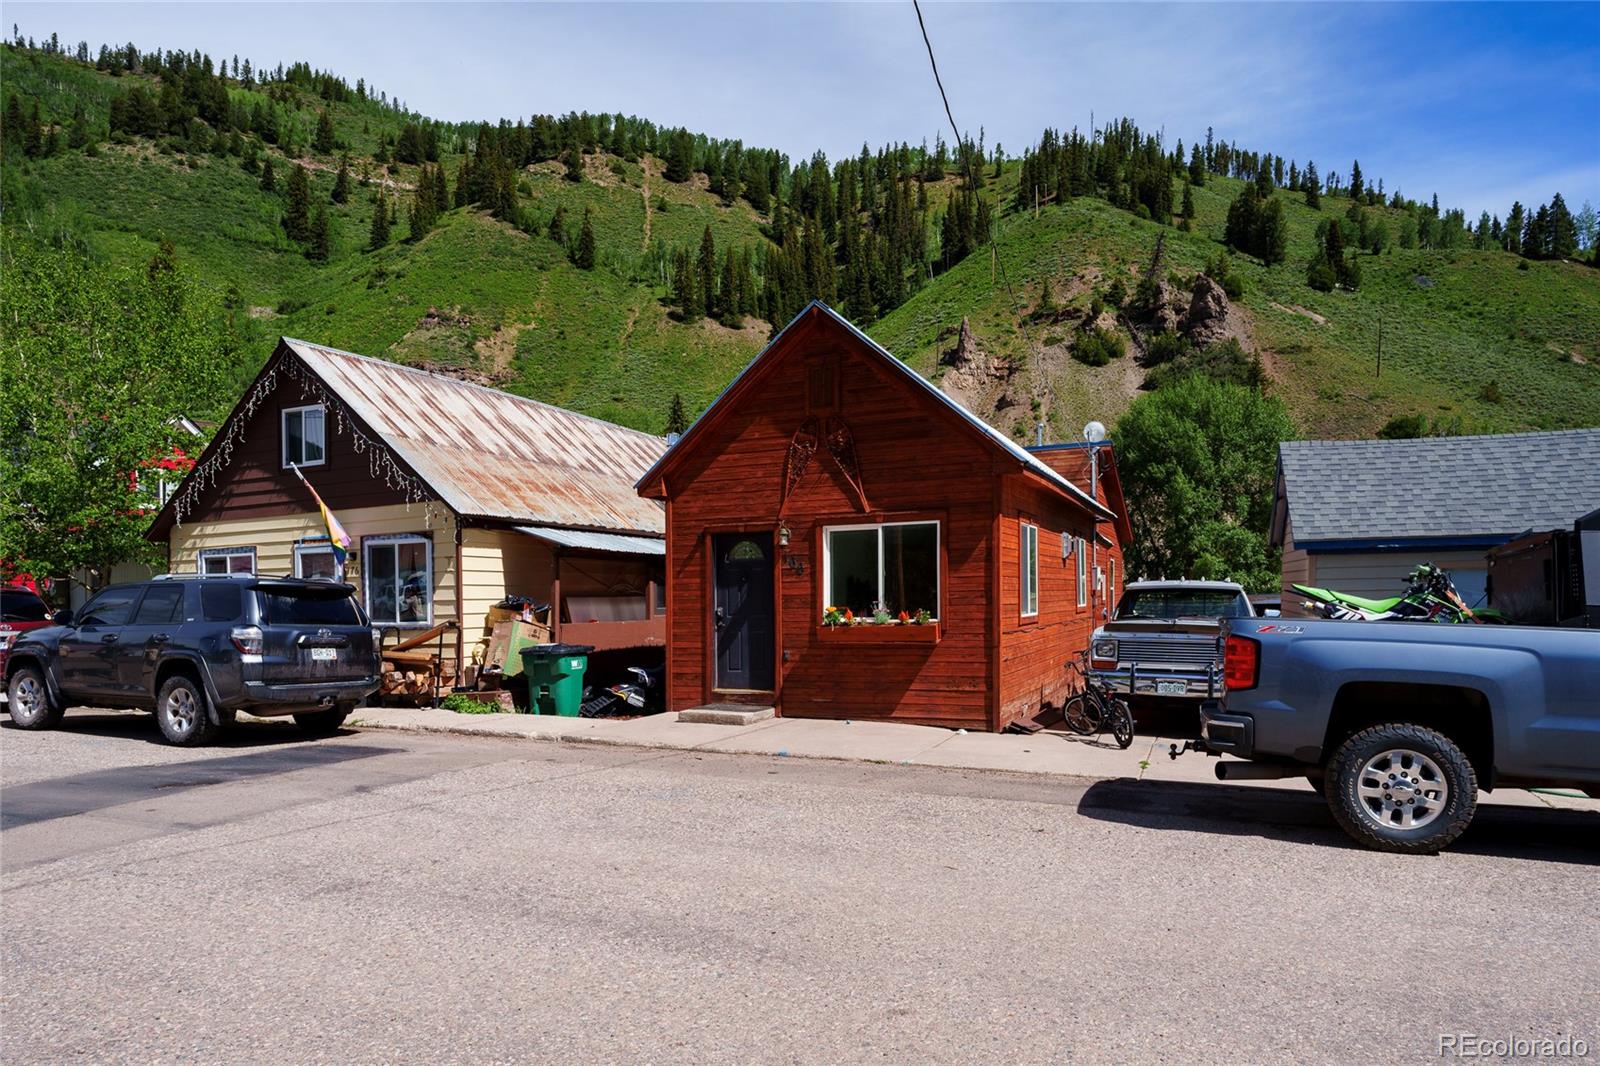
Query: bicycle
column 1096, row 708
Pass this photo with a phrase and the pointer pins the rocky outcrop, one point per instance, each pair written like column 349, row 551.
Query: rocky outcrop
column 1206, row 320
column 971, row 375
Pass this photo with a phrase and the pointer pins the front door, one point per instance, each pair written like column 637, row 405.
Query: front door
column 743, row 610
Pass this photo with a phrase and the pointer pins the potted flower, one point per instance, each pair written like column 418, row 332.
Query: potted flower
column 905, row 619
column 923, row 617
column 832, row 616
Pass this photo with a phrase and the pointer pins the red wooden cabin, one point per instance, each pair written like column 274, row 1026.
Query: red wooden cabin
column 831, row 475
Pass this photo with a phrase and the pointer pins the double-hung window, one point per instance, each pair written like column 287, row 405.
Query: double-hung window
column 228, row 561
column 314, row 559
column 1082, row 574
column 397, row 579
column 893, row 567
column 305, row 436
column 1030, row 570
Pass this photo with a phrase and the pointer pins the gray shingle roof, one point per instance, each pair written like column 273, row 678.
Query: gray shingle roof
column 1440, row 486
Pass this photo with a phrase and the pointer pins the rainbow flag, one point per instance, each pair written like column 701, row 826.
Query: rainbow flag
column 338, row 539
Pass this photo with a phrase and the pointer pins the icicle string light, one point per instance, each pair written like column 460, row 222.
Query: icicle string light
column 381, row 464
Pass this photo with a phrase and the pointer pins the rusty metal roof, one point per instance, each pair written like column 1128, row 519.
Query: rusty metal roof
column 489, row 454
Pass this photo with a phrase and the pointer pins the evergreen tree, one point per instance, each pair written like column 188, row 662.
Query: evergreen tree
column 1563, row 230
column 323, row 142
column 728, row 298
column 583, row 257
column 380, row 221
column 574, row 161
column 1357, row 188
column 1311, row 185
column 1197, row 166
column 297, row 209
column 677, row 417
column 1188, row 201
column 341, row 183
column 1515, row 220
column 706, row 271
column 321, row 243
column 557, row 230
column 683, row 287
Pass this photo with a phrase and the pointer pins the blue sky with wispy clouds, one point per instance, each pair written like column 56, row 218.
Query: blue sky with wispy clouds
column 1482, row 103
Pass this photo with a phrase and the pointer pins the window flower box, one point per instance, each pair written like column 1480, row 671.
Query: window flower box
column 870, row 633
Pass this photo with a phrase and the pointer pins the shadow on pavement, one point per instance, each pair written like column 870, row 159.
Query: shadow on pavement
column 1301, row 817
column 142, row 726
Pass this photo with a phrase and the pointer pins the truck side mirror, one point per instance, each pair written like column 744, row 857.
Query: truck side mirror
column 61, row 618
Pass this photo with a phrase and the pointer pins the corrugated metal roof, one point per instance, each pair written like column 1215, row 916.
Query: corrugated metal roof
column 494, row 455
column 1019, row 453
column 617, row 543
column 1501, row 485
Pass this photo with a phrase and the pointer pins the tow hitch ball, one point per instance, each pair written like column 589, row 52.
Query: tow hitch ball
column 1175, row 750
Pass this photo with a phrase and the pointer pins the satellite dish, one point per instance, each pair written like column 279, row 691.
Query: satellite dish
column 1094, row 433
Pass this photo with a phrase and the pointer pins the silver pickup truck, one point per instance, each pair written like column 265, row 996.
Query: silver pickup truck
column 1161, row 640
column 1401, row 723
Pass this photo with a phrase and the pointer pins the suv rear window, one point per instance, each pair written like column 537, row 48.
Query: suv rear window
column 308, row 607
column 1182, row 603
column 221, row 602
column 20, row 605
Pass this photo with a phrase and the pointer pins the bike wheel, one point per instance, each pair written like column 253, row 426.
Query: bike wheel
column 1082, row 714
column 1121, row 724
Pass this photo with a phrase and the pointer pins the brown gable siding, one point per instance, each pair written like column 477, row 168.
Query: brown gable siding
column 255, row 483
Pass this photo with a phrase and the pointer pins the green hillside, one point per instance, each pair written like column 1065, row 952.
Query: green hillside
column 1477, row 340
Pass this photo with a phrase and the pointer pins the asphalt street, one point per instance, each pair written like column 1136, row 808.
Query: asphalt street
column 384, row 897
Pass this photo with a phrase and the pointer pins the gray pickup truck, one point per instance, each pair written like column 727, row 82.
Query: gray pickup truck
column 1160, row 645
column 1399, row 724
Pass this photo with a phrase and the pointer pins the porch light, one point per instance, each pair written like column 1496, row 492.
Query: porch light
column 783, row 535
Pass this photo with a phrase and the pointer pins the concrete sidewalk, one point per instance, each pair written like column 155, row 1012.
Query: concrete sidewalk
column 1050, row 753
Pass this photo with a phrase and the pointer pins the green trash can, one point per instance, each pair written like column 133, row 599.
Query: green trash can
column 555, row 677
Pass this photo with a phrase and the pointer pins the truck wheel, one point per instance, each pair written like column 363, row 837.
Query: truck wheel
column 1401, row 787
column 181, row 712
column 322, row 723
column 30, row 704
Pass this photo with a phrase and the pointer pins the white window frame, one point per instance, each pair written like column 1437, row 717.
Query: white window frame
column 381, row 540
column 207, row 554
column 320, row 546
column 1078, row 550
column 1028, row 557
column 1111, row 585
column 938, row 557
column 283, row 435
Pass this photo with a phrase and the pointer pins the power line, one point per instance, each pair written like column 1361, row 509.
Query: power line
column 972, row 184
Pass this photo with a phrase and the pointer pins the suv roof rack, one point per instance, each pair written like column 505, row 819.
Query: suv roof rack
column 209, row 577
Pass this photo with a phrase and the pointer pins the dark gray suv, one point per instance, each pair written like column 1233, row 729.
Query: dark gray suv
column 197, row 650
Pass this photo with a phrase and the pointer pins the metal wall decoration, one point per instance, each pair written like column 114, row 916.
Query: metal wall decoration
column 842, row 446
column 802, row 448
column 794, row 562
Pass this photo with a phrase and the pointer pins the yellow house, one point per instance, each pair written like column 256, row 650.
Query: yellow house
column 454, row 495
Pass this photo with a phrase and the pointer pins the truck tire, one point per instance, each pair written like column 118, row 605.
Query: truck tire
column 29, row 700
column 1401, row 787
column 181, row 712
column 322, row 723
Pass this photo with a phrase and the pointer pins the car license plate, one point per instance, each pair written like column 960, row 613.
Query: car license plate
column 1172, row 688
column 324, row 655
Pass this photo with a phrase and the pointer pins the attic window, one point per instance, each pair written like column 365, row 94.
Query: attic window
column 304, row 436
column 822, row 385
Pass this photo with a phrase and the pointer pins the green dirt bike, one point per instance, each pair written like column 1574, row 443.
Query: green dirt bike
column 1430, row 596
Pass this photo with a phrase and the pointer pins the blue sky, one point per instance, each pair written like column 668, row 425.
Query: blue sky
column 1483, row 103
